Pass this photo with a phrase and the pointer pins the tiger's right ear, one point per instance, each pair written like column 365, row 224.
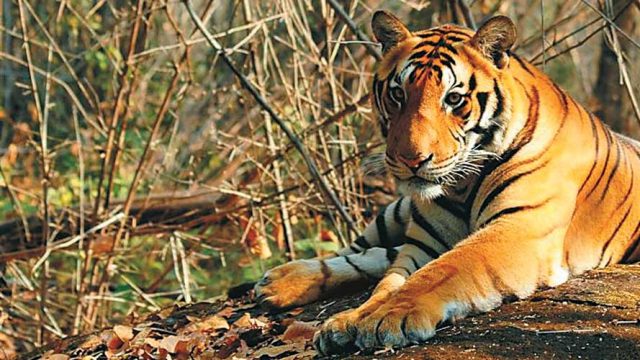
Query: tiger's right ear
column 495, row 38
column 388, row 29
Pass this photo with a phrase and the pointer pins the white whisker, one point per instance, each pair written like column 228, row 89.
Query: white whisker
column 374, row 164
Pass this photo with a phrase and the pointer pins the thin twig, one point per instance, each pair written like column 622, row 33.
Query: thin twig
column 354, row 28
column 263, row 103
column 612, row 23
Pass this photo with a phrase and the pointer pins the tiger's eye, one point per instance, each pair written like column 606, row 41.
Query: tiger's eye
column 453, row 99
column 397, row 94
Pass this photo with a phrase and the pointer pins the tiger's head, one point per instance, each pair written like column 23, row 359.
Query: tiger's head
column 437, row 95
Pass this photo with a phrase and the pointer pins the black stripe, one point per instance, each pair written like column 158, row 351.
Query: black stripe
column 362, row 242
column 472, row 82
column 326, row 274
column 522, row 63
column 354, row 249
column 427, row 35
column 456, row 39
column 418, row 55
column 511, row 210
column 607, row 135
column 615, row 232
column 632, row 247
column 482, row 101
column 412, row 76
column 436, row 68
column 397, row 217
column 414, row 261
column 619, row 154
column 500, row 188
column 391, row 75
column 378, row 87
column 626, row 195
column 450, row 48
column 426, row 226
column 486, row 135
column 594, row 130
column 454, row 209
column 359, row 270
column 563, row 98
column 565, row 109
column 447, row 65
column 425, row 43
column 636, row 150
column 403, row 327
column 381, row 226
column 448, row 58
column 433, row 31
column 424, row 247
column 456, row 136
column 402, row 268
column 392, row 254
column 500, row 100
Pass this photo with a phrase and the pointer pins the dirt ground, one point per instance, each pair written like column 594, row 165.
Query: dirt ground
column 595, row 316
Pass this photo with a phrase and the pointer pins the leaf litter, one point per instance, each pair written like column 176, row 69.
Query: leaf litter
column 225, row 329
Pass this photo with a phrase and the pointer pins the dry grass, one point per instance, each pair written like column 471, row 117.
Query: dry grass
column 153, row 165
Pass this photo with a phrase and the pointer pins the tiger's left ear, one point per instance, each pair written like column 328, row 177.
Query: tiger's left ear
column 388, row 29
column 495, row 38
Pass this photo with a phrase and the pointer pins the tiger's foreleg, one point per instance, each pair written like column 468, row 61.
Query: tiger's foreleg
column 340, row 329
column 364, row 261
column 304, row 281
column 501, row 259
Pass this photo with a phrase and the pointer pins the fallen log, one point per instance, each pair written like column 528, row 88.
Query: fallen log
column 594, row 316
column 158, row 214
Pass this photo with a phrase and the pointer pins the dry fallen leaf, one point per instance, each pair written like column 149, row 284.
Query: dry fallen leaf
column 228, row 346
column 279, row 351
column 141, row 337
column 169, row 343
column 295, row 312
column 112, row 341
column 90, row 342
column 125, row 333
column 300, row 330
column 152, row 342
column 226, row 312
column 207, row 325
column 7, row 348
column 309, row 354
column 246, row 321
column 179, row 344
column 56, row 357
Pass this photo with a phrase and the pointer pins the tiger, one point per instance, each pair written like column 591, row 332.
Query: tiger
column 507, row 185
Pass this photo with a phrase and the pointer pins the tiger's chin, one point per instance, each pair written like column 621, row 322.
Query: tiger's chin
column 419, row 189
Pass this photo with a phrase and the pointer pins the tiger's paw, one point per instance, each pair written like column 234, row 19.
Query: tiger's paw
column 397, row 323
column 338, row 334
column 293, row 284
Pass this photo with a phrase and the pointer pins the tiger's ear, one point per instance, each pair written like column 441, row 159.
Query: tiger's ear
column 388, row 29
column 495, row 38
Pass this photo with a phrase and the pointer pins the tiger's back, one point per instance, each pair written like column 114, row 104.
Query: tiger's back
column 602, row 168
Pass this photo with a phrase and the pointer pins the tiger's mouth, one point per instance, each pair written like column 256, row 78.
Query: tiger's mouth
column 418, row 181
column 429, row 183
column 421, row 189
column 437, row 174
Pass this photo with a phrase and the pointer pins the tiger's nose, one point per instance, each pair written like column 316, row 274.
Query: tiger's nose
column 416, row 162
